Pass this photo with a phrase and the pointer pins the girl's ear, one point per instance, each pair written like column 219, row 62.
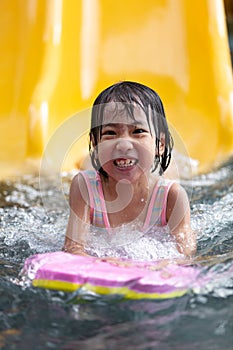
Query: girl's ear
column 161, row 144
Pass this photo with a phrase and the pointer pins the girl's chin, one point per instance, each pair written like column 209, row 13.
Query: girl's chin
column 132, row 174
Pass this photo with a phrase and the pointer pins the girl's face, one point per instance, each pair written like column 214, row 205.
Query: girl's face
column 126, row 148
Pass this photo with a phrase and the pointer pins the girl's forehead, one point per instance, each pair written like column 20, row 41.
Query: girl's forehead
column 122, row 113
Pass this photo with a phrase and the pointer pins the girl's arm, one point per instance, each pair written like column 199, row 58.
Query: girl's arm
column 79, row 218
column 178, row 219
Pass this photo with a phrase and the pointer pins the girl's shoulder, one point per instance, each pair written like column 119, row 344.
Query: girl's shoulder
column 85, row 188
column 89, row 175
column 163, row 183
column 79, row 189
column 84, row 176
column 177, row 196
column 170, row 190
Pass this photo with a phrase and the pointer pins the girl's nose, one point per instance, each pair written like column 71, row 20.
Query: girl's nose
column 124, row 145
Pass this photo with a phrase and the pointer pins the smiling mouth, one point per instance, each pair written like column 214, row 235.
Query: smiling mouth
column 125, row 163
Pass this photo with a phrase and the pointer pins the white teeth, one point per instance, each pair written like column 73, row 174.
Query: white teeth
column 124, row 163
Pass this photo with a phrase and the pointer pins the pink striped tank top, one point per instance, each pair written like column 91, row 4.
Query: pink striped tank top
column 156, row 213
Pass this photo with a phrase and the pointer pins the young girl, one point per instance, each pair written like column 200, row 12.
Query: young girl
column 130, row 149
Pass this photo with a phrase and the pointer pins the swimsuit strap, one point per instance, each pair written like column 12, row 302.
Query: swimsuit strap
column 156, row 213
column 90, row 193
column 98, row 211
column 103, row 204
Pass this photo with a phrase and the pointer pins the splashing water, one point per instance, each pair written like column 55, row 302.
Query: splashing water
column 30, row 224
column 129, row 243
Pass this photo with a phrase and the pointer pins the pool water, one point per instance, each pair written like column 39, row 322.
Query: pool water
column 33, row 219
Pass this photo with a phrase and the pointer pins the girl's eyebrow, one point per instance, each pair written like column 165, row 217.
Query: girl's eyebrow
column 134, row 123
column 109, row 124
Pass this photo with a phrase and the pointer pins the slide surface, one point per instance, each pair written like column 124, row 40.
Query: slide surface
column 57, row 55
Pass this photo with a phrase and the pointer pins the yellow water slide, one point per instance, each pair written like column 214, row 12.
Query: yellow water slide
column 57, row 55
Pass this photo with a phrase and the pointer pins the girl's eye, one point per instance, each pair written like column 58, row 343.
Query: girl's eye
column 108, row 133
column 139, row 131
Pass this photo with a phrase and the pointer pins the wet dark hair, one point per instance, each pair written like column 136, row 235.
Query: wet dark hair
column 131, row 94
